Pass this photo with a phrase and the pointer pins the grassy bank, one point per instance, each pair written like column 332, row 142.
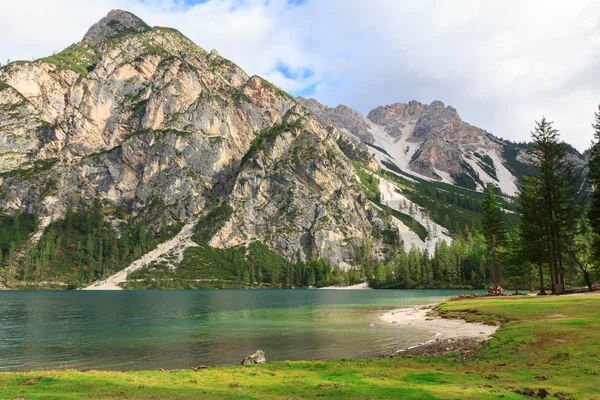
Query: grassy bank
column 546, row 346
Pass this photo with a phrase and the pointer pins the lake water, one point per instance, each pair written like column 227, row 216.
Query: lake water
column 133, row 330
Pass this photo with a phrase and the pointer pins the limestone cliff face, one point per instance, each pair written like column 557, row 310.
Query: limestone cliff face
column 25, row 133
column 397, row 118
column 297, row 193
column 146, row 120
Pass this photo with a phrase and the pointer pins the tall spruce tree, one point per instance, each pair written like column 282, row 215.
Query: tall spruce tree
column 531, row 229
column 493, row 230
column 582, row 253
column 594, row 179
column 558, row 194
column 516, row 268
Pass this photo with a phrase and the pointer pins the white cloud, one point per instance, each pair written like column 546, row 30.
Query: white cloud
column 502, row 64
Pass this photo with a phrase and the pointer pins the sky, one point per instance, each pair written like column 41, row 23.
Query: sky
column 502, row 64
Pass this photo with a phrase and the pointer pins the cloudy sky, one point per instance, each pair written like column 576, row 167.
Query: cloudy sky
column 501, row 64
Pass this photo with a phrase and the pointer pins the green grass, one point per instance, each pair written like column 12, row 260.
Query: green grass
column 79, row 58
column 3, row 86
column 37, row 167
column 277, row 90
column 269, row 133
column 545, row 342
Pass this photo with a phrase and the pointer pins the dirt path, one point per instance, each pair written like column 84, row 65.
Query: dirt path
column 177, row 244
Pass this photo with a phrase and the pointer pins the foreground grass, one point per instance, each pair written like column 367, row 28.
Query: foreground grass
column 549, row 343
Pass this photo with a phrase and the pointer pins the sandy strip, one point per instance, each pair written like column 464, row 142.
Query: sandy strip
column 440, row 328
column 360, row 286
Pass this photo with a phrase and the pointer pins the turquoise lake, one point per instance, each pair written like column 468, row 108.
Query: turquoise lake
column 134, row 330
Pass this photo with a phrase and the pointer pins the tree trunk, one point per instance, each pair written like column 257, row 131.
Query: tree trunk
column 530, row 280
column 551, row 273
column 542, row 289
column 588, row 282
column 561, row 276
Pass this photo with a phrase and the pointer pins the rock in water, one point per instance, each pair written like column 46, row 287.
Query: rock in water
column 256, row 358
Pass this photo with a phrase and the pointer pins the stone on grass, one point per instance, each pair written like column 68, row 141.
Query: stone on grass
column 256, row 358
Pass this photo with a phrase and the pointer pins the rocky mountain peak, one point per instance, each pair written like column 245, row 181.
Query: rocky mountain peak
column 116, row 23
column 343, row 117
column 437, row 104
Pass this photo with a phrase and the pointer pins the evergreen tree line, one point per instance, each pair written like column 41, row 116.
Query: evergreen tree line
column 77, row 250
column 455, row 266
column 14, row 232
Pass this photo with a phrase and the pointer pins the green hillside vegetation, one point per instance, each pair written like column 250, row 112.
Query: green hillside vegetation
column 487, row 164
column 381, row 149
column 79, row 58
column 469, row 179
column 369, row 183
column 546, row 345
column 269, row 133
column 452, row 207
column 518, row 169
column 14, row 232
column 461, row 264
column 252, row 265
column 74, row 251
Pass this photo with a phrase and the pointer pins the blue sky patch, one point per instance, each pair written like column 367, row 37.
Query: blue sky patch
column 306, row 91
column 294, row 74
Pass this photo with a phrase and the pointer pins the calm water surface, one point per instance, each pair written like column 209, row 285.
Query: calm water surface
column 132, row 330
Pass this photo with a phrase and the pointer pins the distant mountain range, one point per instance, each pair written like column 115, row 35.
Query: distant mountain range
column 433, row 142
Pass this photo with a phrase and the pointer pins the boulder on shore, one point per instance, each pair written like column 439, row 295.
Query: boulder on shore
column 256, row 358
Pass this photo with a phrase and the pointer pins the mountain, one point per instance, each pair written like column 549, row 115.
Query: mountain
column 135, row 158
column 347, row 120
column 154, row 132
column 432, row 142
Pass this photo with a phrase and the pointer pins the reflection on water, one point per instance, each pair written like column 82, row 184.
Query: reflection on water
column 177, row 329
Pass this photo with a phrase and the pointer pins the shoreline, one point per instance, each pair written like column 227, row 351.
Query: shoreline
column 447, row 334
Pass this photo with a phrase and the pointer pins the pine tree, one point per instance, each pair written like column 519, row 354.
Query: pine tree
column 594, row 179
column 531, row 229
column 516, row 267
column 582, row 253
column 558, row 192
column 493, row 230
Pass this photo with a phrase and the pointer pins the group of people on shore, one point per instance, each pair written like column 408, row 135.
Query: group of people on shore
column 495, row 291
